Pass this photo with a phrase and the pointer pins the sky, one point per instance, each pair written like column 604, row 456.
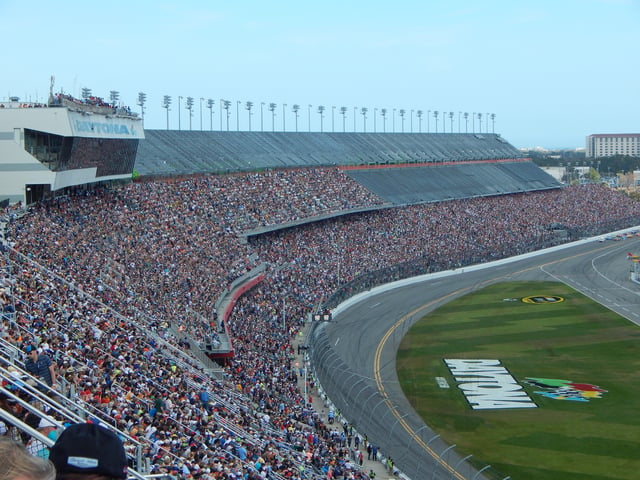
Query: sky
column 552, row 71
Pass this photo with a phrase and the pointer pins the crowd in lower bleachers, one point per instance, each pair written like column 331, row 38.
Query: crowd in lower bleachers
column 100, row 282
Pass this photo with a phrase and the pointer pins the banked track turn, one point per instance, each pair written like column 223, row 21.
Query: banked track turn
column 367, row 331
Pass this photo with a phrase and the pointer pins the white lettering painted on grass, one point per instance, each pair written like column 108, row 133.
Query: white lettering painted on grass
column 486, row 384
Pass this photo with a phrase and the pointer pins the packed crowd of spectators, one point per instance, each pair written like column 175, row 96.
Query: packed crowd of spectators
column 100, row 282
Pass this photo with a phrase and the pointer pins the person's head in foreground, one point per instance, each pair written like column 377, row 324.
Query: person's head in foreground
column 86, row 451
column 17, row 464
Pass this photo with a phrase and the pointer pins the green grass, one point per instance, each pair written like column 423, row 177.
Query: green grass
column 577, row 340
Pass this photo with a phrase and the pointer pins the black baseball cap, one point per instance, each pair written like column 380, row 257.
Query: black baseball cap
column 91, row 449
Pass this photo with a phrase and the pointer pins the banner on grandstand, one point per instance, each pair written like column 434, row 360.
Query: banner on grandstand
column 486, row 384
column 103, row 126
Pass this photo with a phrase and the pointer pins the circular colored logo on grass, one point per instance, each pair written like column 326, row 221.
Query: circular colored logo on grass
column 538, row 299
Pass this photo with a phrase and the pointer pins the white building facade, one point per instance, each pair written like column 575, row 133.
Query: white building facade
column 608, row 145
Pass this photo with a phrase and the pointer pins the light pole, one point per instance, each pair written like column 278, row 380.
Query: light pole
column 201, row 100
column 296, row 109
column 459, row 113
column 480, row 122
column 466, row 122
column 86, row 93
column 419, row 115
column 249, row 106
column 428, row 115
column 383, row 112
column 142, row 99
column 451, row 121
column 210, row 107
column 402, row 112
column 486, row 119
column 309, row 117
column 444, row 117
column 261, row 117
column 227, row 105
column 493, row 123
column 435, row 116
column 221, row 107
column 343, row 111
column 189, row 106
column 393, row 121
column 179, row 124
column 272, row 109
column 238, row 102
column 364, row 111
column 354, row 118
column 283, row 115
column 114, row 95
column 333, row 113
column 473, row 122
column 411, row 122
column 375, row 114
column 166, row 103
column 321, row 112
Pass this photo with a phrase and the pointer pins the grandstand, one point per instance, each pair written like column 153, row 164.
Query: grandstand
column 124, row 286
column 170, row 152
column 468, row 165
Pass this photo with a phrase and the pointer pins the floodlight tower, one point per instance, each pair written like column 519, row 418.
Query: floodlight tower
column 364, row 111
column 210, row 103
column 321, row 112
column 226, row 104
column 435, row 115
column 142, row 99
column 165, row 104
column 401, row 113
column 189, row 106
column 272, row 108
column 249, row 106
column 296, row 111
column 383, row 112
column 179, row 124
column 343, row 112
column 86, row 93
column 419, row 115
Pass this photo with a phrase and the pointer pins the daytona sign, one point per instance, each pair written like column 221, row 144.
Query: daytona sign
column 488, row 385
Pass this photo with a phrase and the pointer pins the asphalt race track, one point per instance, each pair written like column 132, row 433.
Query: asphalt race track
column 366, row 335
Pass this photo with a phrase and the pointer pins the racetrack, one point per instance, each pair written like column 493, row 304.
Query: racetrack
column 365, row 336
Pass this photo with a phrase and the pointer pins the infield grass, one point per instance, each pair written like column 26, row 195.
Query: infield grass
column 576, row 339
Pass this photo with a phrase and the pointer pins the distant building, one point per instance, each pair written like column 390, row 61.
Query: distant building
column 608, row 145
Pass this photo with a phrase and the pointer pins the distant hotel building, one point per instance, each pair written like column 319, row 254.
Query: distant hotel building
column 608, row 145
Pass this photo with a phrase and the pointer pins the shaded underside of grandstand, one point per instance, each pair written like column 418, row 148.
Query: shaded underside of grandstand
column 413, row 184
column 171, row 152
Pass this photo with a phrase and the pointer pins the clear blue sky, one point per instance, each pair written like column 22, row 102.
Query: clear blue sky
column 552, row 71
